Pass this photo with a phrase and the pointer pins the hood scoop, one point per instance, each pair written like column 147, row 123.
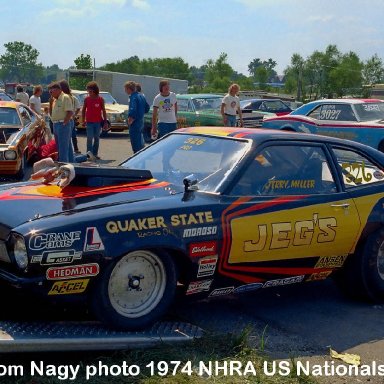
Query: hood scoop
column 90, row 176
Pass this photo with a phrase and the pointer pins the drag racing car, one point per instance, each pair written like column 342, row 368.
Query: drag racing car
column 204, row 212
column 360, row 120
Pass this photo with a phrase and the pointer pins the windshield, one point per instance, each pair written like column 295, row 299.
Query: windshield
column 370, row 111
column 5, row 97
column 108, row 98
column 209, row 159
column 9, row 116
column 204, row 103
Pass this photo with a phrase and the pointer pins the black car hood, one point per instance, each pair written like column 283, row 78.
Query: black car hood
column 22, row 202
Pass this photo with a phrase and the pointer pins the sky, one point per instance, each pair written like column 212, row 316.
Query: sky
column 195, row 30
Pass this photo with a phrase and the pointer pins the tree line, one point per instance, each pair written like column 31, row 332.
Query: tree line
column 322, row 74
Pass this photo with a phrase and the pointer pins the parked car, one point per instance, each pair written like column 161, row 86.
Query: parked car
column 117, row 114
column 201, row 110
column 204, row 211
column 16, row 121
column 361, row 120
column 276, row 106
column 5, row 97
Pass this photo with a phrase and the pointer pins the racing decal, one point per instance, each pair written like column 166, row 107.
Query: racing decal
column 157, row 222
column 286, row 184
column 378, row 175
column 72, row 272
column 331, row 261
column 191, row 141
column 222, row 291
column 69, row 287
column 198, row 286
column 204, row 248
column 248, row 287
column 286, row 281
column 356, row 172
column 207, row 266
column 293, row 233
column 319, row 276
column 200, row 231
column 57, row 257
column 93, row 241
column 53, row 240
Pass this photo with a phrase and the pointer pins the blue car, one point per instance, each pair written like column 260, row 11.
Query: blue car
column 360, row 120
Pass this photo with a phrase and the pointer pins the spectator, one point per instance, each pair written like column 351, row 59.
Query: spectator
column 62, row 111
column 76, row 108
column 230, row 105
column 164, row 118
column 35, row 101
column 21, row 96
column 135, row 116
column 94, row 115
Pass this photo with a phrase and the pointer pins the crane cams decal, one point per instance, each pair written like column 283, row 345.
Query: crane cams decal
column 53, row 240
column 69, row 287
column 199, row 286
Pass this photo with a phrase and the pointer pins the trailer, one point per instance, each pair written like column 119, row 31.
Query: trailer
column 113, row 82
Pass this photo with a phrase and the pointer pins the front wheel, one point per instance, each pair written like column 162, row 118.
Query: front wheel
column 136, row 290
column 363, row 273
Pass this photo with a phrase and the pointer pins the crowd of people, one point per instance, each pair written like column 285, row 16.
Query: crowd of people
column 63, row 107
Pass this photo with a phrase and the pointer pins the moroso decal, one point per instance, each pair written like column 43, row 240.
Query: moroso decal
column 57, row 257
column 93, row 241
column 72, row 272
column 207, row 266
column 200, row 231
column 69, row 287
column 198, row 286
column 204, row 248
column 222, row 291
column 331, row 261
column 53, row 240
column 248, row 287
column 286, row 281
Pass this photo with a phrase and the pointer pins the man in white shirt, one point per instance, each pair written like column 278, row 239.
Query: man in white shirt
column 230, row 105
column 164, row 116
column 34, row 100
column 21, row 96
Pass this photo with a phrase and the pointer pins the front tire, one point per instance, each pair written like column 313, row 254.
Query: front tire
column 363, row 274
column 136, row 290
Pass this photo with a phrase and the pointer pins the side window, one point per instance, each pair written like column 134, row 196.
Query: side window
column 182, row 105
column 335, row 112
column 25, row 116
column 287, row 170
column 356, row 169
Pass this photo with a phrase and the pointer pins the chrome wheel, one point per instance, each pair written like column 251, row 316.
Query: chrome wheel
column 137, row 284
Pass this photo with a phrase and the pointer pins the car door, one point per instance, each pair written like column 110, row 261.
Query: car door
column 291, row 213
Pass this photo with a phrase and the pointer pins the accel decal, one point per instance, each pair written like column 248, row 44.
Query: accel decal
column 69, row 287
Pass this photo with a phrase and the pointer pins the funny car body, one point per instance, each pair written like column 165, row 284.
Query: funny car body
column 208, row 211
column 360, row 120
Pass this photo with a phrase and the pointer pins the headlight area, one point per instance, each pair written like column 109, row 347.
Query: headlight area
column 18, row 250
column 10, row 155
column 112, row 117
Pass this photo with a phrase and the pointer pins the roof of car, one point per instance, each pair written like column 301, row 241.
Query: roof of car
column 259, row 135
column 198, row 95
column 253, row 100
column 348, row 101
column 9, row 104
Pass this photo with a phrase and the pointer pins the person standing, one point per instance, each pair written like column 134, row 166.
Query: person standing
column 135, row 116
column 76, row 108
column 21, row 96
column 35, row 100
column 164, row 118
column 230, row 105
column 93, row 114
column 62, row 111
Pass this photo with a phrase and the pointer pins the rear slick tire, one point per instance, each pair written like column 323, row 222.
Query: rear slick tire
column 135, row 291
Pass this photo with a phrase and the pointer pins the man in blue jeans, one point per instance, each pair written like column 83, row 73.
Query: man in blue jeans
column 135, row 116
column 62, row 112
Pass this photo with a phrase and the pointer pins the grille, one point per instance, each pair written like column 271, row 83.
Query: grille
column 3, row 253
